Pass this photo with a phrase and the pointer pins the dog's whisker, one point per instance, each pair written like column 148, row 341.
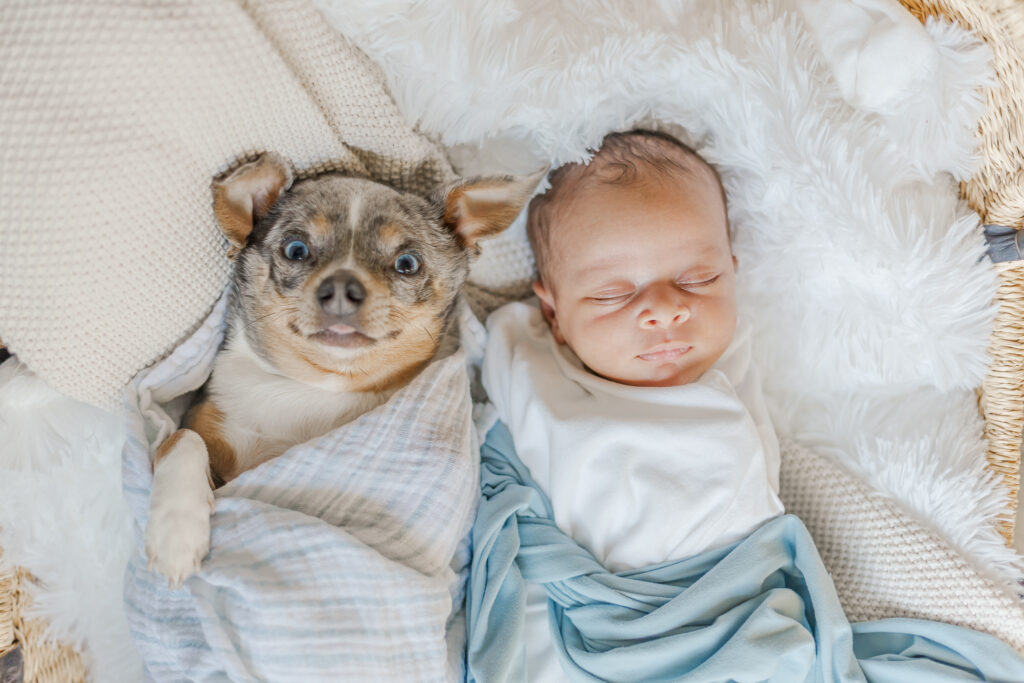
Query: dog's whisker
column 271, row 315
column 263, row 317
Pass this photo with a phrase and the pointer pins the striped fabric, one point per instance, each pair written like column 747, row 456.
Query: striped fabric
column 340, row 560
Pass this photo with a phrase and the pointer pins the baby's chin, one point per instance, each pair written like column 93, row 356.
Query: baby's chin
column 673, row 378
column 657, row 374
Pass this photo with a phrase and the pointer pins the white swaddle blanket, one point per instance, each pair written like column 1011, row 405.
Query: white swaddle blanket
column 619, row 461
column 342, row 559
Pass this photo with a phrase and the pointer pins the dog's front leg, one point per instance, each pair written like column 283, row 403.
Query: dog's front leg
column 178, row 530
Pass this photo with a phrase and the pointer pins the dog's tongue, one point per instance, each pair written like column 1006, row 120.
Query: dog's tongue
column 341, row 328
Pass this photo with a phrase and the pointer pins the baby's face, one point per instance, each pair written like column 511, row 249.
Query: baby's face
column 644, row 280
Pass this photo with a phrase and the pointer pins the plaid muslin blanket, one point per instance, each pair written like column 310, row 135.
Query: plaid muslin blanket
column 343, row 559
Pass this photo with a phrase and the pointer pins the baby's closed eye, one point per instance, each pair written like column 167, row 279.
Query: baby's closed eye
column 699, row 281
column 611, row 296
column 610, row 300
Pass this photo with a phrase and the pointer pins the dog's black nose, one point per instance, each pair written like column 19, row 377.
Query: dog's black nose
column 341, row 294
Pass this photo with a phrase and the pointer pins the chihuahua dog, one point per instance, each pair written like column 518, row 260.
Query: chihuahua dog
column 344, row 287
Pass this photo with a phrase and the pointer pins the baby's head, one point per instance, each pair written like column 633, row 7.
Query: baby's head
column 635, row 267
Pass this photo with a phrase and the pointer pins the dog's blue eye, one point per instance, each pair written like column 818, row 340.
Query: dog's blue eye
column 407, row 264
column 296, row 250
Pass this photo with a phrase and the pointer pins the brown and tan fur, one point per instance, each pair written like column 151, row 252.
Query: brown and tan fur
column 314, row 342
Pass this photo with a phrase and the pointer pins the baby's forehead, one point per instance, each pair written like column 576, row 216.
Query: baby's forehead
column 602, row 226
column 619, row 178
column 633, row 197
column 629, row 166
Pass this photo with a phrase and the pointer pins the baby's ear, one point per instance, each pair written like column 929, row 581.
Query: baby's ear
column 476, row 208
column 246, row 194
column 547, row 307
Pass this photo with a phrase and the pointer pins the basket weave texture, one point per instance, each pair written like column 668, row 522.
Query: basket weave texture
column 996, row 192
column 43, row 661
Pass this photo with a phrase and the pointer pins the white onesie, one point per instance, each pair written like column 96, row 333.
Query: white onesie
column 637, row 475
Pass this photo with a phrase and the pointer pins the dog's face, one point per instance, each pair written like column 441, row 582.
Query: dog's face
column 348, row 283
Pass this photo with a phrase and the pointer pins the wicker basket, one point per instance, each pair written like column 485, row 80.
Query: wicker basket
column 996, row 192
column 42, row 661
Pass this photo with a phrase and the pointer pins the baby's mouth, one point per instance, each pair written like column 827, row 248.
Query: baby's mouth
column 665, row 352
column 342, row 335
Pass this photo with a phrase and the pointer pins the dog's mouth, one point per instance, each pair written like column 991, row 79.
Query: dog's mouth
column 343, row 336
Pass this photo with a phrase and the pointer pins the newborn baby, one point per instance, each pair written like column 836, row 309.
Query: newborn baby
column 629, row 391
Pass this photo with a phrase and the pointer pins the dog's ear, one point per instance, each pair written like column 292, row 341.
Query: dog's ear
column 244, row 195
column 476, row 208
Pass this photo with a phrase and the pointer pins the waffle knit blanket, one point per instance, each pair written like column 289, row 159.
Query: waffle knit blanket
column 343, row 559
column 115, row 117
column 762, row 609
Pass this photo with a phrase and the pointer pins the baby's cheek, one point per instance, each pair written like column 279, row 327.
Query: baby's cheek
column 723, row 325
column 607, row 345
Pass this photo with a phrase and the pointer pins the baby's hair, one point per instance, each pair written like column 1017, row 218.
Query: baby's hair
column 617, row 162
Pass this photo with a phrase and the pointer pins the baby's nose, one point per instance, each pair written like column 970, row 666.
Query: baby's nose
column 665, row 310
column 654, row 319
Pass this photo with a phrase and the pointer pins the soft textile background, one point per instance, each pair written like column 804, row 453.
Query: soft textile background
column 530, row 79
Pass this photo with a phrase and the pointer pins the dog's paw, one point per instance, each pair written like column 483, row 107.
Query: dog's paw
column 178, row 531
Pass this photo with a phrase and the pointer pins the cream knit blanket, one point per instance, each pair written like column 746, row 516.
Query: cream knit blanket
column 113, row 119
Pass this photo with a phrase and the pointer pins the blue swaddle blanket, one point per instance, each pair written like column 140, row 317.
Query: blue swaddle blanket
column 762, row 609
